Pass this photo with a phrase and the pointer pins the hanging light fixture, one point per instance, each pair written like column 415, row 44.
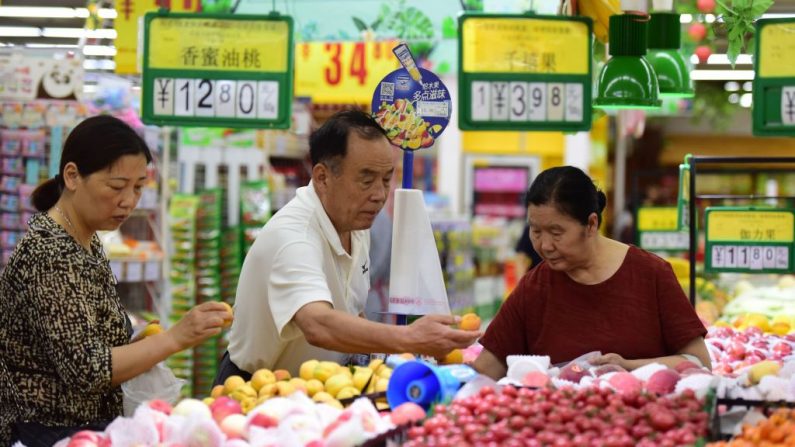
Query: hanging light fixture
column 627, row 80
column 673, row 72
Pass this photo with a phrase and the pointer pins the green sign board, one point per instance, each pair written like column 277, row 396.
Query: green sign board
column 774, row 77
column 524, row 72
column 217, row 70
column 658, row 229
column 749, row 239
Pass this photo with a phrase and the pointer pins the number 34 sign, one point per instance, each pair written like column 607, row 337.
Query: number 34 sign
column 217, row 70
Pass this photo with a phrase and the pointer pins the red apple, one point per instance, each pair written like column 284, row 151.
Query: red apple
column 86, row 438
column 535, row 379
column 759, row 343
column 263, row 420
column 706, row 6
column 685, row 365
column 224, row 406
column 626, row 383
column 663, row 381
column 407, row 412
column 736, row 350
column 697, row 31
column 573, row 373
column 782, row 348
column 160, row 405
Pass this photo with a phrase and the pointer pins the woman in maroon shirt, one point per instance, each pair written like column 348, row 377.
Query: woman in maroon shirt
column 591, row 293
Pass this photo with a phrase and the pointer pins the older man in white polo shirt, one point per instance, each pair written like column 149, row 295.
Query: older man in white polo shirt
column 304, row 284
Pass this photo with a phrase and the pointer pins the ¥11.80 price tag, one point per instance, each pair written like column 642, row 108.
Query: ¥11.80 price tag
column 216, row 98
column 750, row 257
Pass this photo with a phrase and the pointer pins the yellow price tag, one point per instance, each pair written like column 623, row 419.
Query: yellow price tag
column 751, row 226
column 525, row 45
column 657, row 219
column 777, row 50
column 342, row 72
column 220, row 45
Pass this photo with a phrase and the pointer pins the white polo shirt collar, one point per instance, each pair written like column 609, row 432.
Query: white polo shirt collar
column 328, row 229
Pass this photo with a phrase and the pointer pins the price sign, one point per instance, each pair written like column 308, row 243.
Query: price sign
column 657, row 229
column 520, row 72
column 749, row 240
column 774, row 77
column 657, row 218
column 217, row 70
column 342, row 72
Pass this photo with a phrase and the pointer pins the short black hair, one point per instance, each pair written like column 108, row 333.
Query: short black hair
column 330, row 141
column 93, row 145
column 570, row 190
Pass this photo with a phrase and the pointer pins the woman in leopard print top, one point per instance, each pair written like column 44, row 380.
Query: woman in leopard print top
column 64, row 336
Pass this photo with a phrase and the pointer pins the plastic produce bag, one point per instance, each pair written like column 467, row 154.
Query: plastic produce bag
column 157, row 383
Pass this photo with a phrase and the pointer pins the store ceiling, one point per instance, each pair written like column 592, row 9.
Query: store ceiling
column 49, row 32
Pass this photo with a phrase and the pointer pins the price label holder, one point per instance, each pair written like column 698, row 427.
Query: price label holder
column 774, row 77
column 683, row 200
column 658, row 229
column 217, row 70
column 524, row 72
column 749, row 239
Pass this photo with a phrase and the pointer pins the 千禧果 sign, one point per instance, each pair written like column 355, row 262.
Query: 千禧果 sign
column 524, row 72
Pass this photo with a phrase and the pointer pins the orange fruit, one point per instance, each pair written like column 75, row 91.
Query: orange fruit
column 227, row 321
column 152, row 329
column 454, row 357
column 469, row 322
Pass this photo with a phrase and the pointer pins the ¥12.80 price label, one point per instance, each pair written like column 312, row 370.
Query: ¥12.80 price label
column 526, row 101
column 215, row 98
column 750, row 257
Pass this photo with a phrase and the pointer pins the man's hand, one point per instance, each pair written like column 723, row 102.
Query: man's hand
column 432, row 335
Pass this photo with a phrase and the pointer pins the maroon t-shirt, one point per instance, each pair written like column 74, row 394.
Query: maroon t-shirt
column 639, row 312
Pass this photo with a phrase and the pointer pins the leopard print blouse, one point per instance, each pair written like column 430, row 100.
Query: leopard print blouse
column 60, row 315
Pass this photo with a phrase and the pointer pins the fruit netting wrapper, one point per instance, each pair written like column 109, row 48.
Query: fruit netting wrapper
column 520, row 365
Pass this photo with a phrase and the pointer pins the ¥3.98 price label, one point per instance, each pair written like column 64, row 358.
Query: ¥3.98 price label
column 526, row 101
column 216, row 98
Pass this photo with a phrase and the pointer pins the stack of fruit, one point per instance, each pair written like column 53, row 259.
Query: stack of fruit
column 777, row 430
column 279, row 422
column 323, row 381
column 525, row 417
column 772, row 307
column 732, row 349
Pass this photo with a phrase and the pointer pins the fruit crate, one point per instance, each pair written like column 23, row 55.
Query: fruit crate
column 718, row 429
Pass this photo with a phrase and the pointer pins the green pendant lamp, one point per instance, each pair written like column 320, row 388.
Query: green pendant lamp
column 628, row 81
column 673, row 72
